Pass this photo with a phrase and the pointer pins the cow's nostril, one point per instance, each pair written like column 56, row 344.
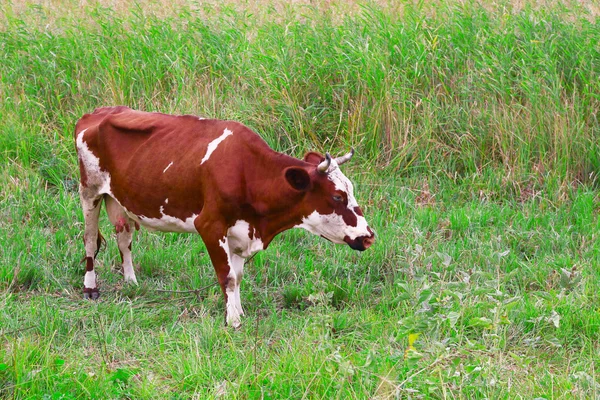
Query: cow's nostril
column 368, row 241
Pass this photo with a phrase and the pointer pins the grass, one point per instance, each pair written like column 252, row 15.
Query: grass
column 477, row 140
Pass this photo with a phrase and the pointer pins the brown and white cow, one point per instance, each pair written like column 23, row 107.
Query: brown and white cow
column 212, row 177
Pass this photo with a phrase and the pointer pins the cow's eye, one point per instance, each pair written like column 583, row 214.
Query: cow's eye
column 338, row 198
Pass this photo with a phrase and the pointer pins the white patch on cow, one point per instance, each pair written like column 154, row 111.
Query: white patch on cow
column 167, row 223
column 96, row 178
column 236, row 270
column 342, row 183
column 224, row 243
column 89, row 280
column 234, row 303
column 240, row 240
column 123, row 241
column 332, row 226
column 168, row 166
column 212, row 146
column 167, row 200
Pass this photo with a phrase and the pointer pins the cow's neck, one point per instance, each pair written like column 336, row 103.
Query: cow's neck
column 276, row 205
column 276, row 223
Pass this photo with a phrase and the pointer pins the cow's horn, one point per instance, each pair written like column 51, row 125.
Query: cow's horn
column 343, row 159
column 324, row 166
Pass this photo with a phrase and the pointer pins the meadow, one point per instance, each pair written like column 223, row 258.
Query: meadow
column 477, row 138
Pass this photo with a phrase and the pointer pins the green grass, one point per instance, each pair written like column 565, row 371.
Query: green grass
column 477, row 143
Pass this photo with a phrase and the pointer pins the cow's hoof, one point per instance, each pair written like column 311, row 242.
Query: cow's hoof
column 235, row 324
column 92, row 294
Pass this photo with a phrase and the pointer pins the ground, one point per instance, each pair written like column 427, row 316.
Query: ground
column 476, row 164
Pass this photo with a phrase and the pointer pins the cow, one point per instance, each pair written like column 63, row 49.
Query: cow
column 182, row 173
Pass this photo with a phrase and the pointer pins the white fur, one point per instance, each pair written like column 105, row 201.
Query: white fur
column 167, row 223
column 212, row 146
column 342, row 183
column 89, row 280
column 224, row 243
column 123, row 241
column 168, row 166
column 332, row 226
column 96, row 178
column 240, row 242
column 234, row 303
column 236, row 269
column 238, row 245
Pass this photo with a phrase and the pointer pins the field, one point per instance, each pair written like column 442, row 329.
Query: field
column 477, row 138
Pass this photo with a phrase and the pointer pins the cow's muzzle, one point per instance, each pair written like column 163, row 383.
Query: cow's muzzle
column 361, row 243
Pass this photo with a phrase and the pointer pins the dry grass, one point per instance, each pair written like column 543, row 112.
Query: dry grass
column 54, row 10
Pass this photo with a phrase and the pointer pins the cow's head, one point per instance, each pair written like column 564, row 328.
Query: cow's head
column 329, row 208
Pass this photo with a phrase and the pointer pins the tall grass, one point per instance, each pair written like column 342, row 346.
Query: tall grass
column 476, row 129
column 461, row 87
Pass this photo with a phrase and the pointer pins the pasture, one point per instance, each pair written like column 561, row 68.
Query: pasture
column 477, row 138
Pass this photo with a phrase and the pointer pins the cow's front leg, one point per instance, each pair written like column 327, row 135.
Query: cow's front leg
column 229, row 268
column 237, row 270
column 234, row 303
column 230, row 276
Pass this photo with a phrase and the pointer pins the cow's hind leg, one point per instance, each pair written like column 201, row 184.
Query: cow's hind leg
column 124, row 227
column 90, row 203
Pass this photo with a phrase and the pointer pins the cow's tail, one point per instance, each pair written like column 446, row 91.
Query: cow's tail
column 99, row 240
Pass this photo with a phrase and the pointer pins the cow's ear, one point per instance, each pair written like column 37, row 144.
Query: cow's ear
column 314, row 158
column 298, row 178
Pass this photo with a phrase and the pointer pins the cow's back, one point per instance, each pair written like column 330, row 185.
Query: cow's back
column 165, row 162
